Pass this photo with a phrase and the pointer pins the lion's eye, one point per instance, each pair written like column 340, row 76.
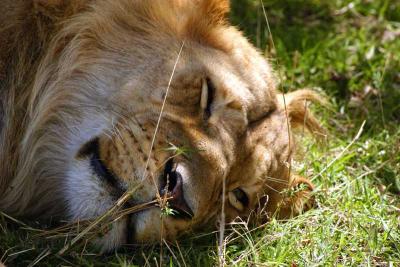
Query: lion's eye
column 207, row 97
column 238, row 199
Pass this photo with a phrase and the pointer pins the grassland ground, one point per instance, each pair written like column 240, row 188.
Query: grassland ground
column 350, row 52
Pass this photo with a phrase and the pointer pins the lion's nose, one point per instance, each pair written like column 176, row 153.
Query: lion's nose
column 172, row 187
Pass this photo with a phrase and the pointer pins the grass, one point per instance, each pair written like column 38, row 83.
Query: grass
column 350, row 50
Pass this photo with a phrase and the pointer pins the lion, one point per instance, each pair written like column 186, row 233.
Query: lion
column 162, row 99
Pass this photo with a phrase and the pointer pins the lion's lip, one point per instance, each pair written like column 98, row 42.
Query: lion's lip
column 172, row 188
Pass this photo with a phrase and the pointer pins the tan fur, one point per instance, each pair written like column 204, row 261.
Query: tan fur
column 72, row 71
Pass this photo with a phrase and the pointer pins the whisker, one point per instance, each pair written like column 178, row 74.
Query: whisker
column 277, row 180
column 273, row 189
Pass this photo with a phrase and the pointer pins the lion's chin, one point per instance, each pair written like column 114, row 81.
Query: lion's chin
column 115, row 237
column 146, row 227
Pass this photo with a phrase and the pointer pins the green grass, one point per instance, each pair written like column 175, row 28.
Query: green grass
column 351, row 51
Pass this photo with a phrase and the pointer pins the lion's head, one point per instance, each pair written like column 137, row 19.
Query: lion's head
column 161, row 98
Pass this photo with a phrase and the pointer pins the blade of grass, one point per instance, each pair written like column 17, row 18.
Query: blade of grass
column 342, row 152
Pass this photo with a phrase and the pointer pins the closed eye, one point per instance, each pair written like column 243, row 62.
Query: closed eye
column 207, row 97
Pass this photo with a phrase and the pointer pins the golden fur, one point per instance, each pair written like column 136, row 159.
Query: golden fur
column 74, row 71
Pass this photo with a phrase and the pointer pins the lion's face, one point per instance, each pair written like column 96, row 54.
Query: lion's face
column 221, row 121
column 200, row 131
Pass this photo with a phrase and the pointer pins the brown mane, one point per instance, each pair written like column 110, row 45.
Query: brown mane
column 24, row 37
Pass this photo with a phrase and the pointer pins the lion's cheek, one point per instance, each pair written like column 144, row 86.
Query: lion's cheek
column 85, row 195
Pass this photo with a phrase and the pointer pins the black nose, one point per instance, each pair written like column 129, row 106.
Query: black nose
column 172, row 187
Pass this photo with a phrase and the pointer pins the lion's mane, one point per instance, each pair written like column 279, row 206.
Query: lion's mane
column 47, row 82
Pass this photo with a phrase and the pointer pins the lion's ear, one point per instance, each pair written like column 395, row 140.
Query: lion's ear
column 300, row 198
column 296, row 106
